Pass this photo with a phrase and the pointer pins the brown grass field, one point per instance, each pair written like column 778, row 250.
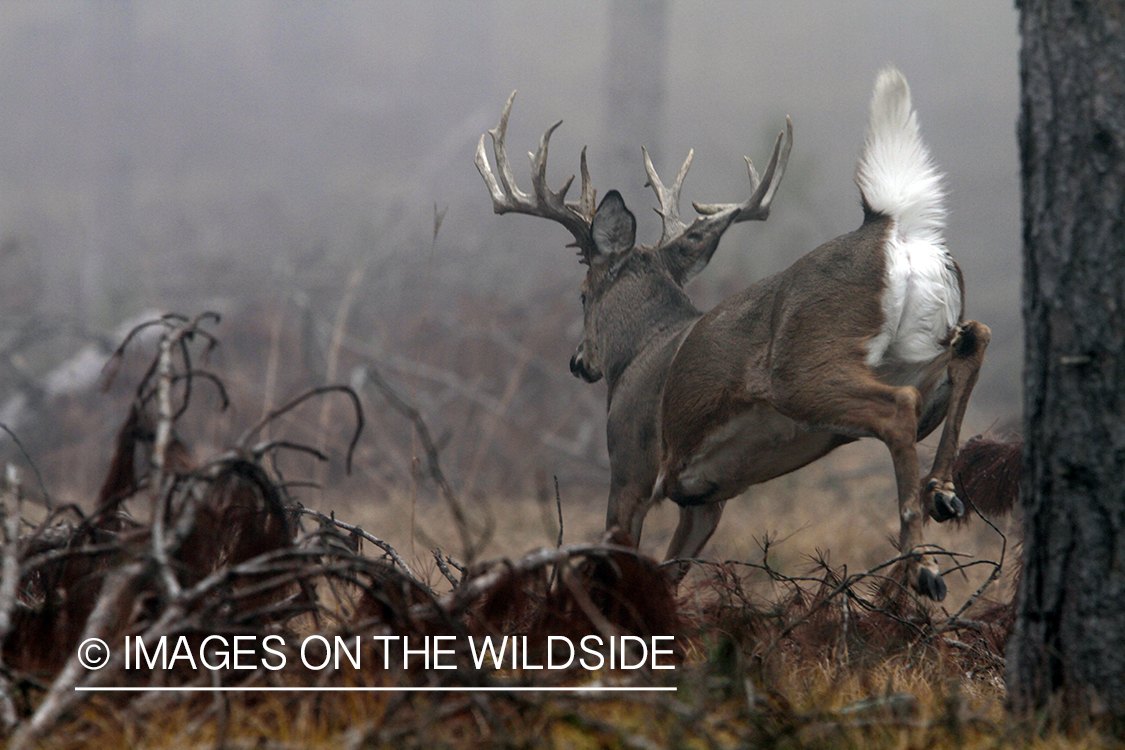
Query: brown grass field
column 792, row 633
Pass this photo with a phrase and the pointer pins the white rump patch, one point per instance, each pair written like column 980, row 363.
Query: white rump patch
column 921, row 304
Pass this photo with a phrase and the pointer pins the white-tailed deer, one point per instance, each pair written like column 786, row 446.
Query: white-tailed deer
column 862, row 337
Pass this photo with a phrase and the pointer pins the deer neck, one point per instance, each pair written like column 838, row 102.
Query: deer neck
column 659, row 312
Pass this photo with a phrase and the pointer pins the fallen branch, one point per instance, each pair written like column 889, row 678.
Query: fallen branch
column 9, row 582
column 473, row 588
column 391, row 551
column 117, row 595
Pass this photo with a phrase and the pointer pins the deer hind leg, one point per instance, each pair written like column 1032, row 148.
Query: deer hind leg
column 969, row 341
column 900, row 436
column 697, row 524
column 859, row 404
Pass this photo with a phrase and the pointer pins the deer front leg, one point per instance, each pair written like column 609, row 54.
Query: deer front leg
column 626, row 511
column 967, row 346
column 697, row 524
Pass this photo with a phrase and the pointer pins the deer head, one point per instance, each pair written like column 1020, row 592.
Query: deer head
column 628, row 290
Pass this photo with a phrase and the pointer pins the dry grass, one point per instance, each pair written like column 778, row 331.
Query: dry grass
column 780, row 643
column 842, row 506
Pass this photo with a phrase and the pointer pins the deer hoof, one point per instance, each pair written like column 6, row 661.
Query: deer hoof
column 676, row 573
column 930, row 585
column 947, row 506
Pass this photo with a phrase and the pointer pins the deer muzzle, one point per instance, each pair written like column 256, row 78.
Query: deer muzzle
column 580, row 369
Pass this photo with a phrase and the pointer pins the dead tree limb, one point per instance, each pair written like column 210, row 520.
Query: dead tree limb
column 391, row 551
column 433, row 463
column 9, row 583
column 116, row 598
column 244, row 441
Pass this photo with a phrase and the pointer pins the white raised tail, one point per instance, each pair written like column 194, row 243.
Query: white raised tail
column 897, row 178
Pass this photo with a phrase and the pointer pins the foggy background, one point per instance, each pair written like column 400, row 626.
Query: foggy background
column 283, row 161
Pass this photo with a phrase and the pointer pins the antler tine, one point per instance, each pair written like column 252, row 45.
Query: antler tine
column 543, row 202
column 669, row 199
column 499, row 134
column 539, row 173
column 503, row 191
column 757, row 206
column 486, row 172
column 586, row 199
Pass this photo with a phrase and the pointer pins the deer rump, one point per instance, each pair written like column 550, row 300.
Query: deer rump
column 763, row 411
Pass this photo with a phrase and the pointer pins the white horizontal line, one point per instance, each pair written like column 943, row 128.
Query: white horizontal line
column 492, row 689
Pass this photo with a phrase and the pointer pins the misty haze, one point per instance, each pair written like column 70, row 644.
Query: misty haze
column 306, row 170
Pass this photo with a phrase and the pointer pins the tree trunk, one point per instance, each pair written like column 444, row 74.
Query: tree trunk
column 111, row 134
column 1068, row 651
column 634, row 93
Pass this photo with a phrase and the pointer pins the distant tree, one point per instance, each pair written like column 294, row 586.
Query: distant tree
column 634, row 88
column 110, row 30
column 1068, row 652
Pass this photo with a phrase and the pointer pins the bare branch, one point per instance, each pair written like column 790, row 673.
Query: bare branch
column 30, row 462
column 433, row 463
column 471, row 589
column 261, row 449
column 9, row 579
column 244, row 440
column 997, row 568
column 116, row 597
column 444, row 567
column 391, row 551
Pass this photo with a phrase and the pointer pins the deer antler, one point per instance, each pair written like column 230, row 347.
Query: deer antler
column 757, row 206
column 543, row 202
column 669, row 199
column 721, row 215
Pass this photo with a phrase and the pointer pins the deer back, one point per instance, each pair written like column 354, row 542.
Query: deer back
column 754, row 346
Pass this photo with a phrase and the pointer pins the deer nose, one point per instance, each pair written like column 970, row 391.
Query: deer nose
column 579, row 369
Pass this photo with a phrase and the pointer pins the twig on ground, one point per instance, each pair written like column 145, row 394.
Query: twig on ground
column 444, row 568
column 391, row 551
column 997, row 569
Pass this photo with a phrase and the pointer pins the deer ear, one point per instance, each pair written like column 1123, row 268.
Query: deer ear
column 614, row 227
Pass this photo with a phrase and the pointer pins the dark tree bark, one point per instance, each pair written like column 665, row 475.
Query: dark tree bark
column 1068, row 651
